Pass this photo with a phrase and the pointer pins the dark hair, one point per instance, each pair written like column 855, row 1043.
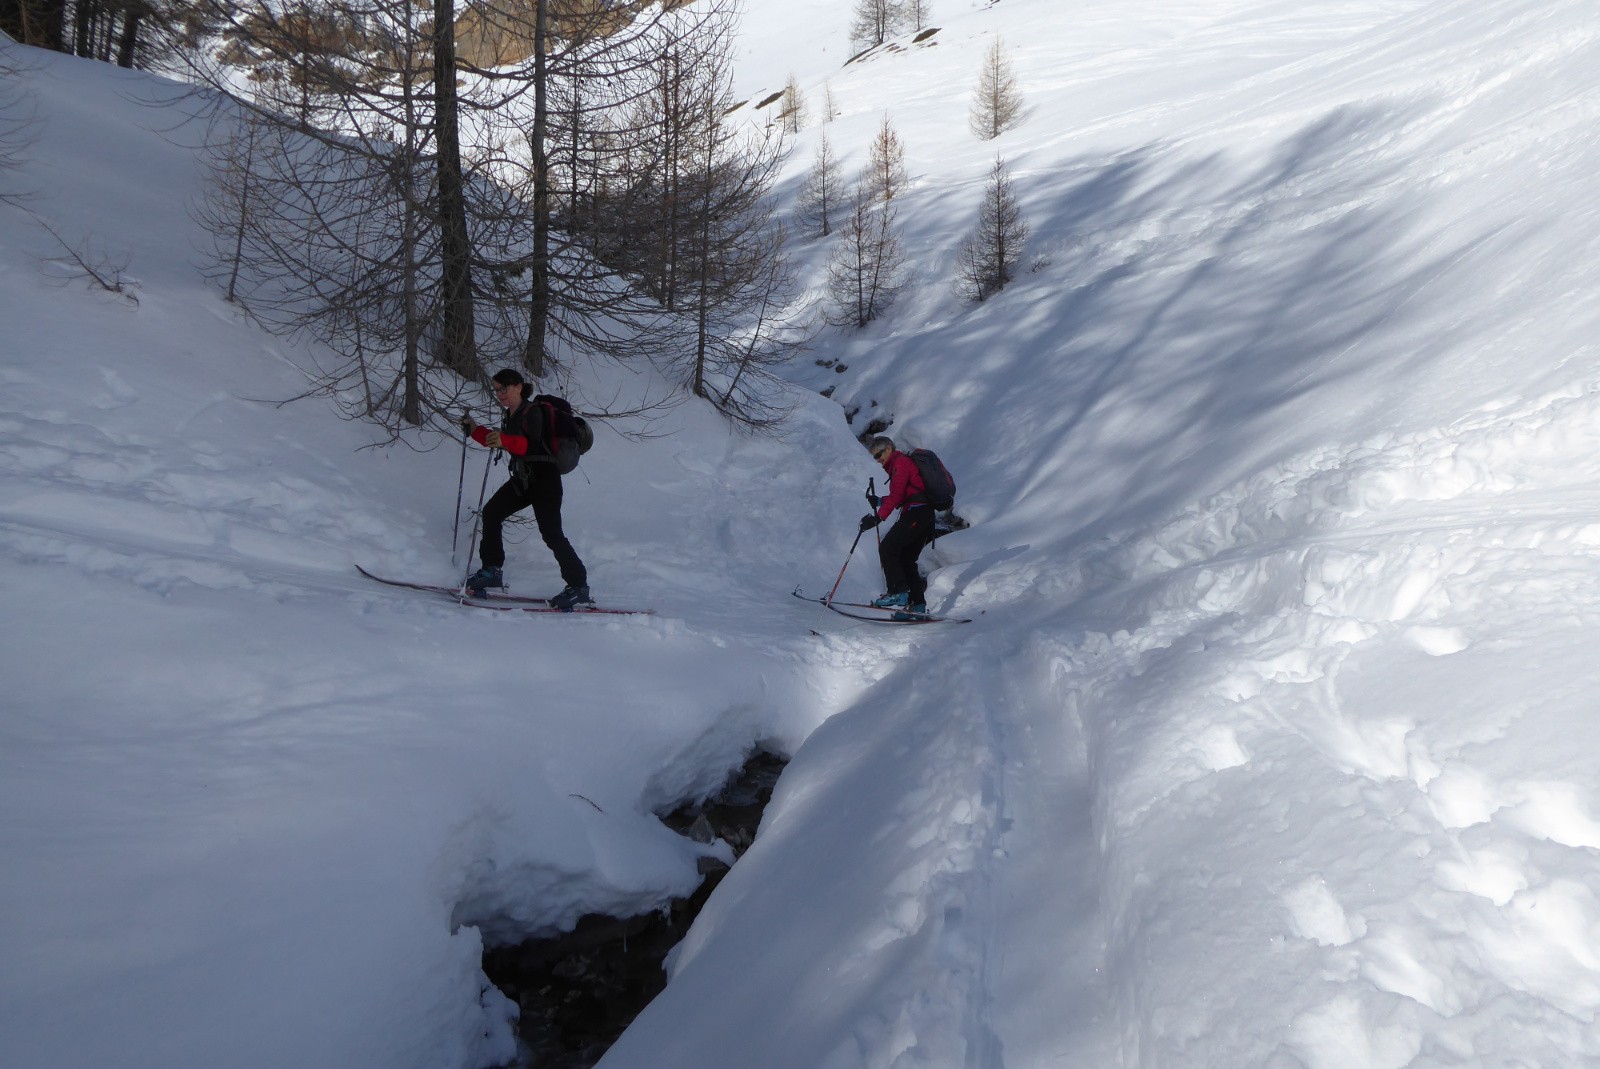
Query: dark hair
column 510, row 376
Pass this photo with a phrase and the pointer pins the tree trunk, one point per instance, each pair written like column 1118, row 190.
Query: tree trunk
column 458, row 343
column 533, row 352
column 41, row 23
column 82, row 24
column 128, row 43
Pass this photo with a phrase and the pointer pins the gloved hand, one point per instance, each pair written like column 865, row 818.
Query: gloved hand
column 873, row 501
column 468, row 424
column 492, row 439
column 869, row 521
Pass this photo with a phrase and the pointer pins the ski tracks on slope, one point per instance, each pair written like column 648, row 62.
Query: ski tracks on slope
column 992, row 910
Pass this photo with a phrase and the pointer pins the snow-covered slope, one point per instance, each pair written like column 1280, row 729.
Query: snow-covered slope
column 256, row 809
column 1283, row 465
column 1272, row 743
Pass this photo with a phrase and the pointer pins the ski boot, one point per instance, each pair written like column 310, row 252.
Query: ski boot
column 479, row 582
column 571, row 597
column 892, row 601
column 917, row 610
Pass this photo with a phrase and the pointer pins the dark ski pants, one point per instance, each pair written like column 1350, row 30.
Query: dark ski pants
column 542, row 490
column 900, row 549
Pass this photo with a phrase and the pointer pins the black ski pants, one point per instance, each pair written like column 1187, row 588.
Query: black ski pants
column 900, row 549
column 541, row 489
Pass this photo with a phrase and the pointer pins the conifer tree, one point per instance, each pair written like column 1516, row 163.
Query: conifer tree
column 886, row 173
column 991, row 250
column 996, row 102
column 821, row 197
column 733, row 283
column 866, row 268
column 793, row 107
column 458, row 345
column 130, row 33
column 872, row 22
column 369, row 236
column 830, row 107
column 40, row 23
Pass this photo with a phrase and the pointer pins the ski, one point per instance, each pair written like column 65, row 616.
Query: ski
column 579, row 610
column 503, row 602
column 453, row 591
column 907, row 617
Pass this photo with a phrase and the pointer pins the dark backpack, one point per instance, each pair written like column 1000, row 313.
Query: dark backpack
column 567, row 434
column 938, row 488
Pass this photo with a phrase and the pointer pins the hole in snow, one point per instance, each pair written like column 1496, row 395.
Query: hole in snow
column 578, row 990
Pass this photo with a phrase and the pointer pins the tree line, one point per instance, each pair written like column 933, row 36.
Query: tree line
column 129, row 33
column 570, row 187
column 872, row 22
column 576, row 187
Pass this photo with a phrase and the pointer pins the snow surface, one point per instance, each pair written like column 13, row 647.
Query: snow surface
column 1273, row 743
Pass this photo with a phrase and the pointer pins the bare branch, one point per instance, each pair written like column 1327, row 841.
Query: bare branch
column 103, row 272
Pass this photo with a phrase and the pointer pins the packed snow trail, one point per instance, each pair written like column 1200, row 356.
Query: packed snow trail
column 1046, row 992
column 908, row 828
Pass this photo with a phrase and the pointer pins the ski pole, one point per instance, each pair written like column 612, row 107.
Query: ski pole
column 829, row 599
column 461, row 482
column 477, row 517
column 872, row 499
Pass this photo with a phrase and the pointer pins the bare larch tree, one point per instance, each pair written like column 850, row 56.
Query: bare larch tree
column 365, row 229
column 886, row 174
column 996, row 102
column 792, row 109
column 821, row 197
column 866, row 267
column 872, row 22
column 991, row 250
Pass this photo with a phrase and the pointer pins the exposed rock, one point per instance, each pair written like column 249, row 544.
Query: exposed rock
column 580, row 989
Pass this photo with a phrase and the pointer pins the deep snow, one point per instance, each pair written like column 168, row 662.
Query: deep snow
column 1273, row 742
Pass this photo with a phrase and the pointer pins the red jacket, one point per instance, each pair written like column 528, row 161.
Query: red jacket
column 905, row 483
column 527, row 417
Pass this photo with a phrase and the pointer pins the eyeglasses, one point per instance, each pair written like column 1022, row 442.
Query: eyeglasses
column 880, row 454
column 503, row 387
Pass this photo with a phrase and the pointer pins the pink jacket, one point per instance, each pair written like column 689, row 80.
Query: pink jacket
column 905, row 483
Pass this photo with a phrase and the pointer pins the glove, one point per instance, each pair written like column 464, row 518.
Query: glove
column 492, row 439
column 869, row 521
column 468, row 424
column 873, row 501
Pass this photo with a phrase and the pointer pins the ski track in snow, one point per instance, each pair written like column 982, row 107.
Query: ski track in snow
column 951, row 825
column 1253, row 787
column 1244, row 630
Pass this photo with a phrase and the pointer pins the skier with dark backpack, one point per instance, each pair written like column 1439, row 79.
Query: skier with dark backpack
column 543, row 438
column 920, row 487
